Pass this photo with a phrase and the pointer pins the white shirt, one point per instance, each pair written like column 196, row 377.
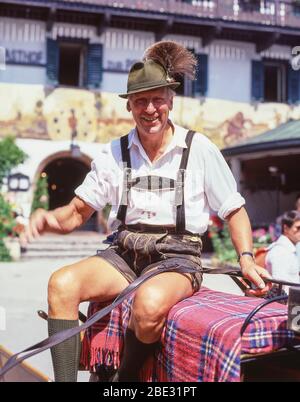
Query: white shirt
column 282, row 261
column 298, row 252
column 209, row 183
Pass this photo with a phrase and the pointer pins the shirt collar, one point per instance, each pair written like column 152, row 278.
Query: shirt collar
column 178, row 139
column 285, row 241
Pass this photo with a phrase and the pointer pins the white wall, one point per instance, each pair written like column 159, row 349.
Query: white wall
column 23, row 75
column 229, row 70
column 28, row 36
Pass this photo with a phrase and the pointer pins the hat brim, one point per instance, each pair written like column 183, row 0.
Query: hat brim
column 172, row 85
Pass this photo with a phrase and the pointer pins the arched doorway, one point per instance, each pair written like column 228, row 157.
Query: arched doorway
column 64, row 175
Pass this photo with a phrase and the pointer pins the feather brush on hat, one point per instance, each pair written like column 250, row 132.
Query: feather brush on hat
column 175, row 58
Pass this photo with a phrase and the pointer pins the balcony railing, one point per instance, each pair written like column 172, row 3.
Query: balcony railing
column 269, row 12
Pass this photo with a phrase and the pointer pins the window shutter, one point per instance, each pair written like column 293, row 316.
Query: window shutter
column 201, row 82
column 293, row 83
column 52, row 62
column 94, row 65
column 257, row 81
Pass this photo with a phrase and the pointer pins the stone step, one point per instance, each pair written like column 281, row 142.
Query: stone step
column 75, row 245
column 61, row 253
column 68, row 240
column 63, row 246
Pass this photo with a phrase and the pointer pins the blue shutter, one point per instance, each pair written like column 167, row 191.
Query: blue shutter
column 293, row 84
column 201, row 82
column 52, row 62
column 257, row 81
column 94, row 65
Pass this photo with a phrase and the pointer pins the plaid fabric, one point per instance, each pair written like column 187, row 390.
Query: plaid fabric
column 201, row 339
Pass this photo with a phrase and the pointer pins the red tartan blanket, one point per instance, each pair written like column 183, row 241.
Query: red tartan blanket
column 201, row 339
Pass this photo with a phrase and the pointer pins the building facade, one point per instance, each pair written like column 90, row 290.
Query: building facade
column 63, row 63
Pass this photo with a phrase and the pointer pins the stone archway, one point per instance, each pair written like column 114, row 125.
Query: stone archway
column 65, row 173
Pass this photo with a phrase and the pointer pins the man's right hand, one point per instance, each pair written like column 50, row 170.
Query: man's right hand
column 40, row 222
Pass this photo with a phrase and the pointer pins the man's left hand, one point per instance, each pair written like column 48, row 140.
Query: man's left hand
column 255, row 274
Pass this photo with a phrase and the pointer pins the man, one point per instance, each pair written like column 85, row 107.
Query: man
column 281, row 259
column 161, row 182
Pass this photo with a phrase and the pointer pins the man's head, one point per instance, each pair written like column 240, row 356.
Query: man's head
column 150, row 109
column 151, row 83
column 290, row 224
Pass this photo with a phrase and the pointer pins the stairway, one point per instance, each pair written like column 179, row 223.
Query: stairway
column 74, row 245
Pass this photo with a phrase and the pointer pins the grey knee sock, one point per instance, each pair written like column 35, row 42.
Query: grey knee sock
column 66, row 355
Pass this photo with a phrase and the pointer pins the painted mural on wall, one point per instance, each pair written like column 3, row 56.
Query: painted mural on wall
column 61, row 114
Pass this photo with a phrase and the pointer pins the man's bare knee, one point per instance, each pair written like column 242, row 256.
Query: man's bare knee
column 63, row 288
column 148, row 310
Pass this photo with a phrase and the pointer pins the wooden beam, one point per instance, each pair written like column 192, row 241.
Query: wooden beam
column 267, row 41
column 51, row 19
column 164, row 28
column 103, row 23
column 210, row 33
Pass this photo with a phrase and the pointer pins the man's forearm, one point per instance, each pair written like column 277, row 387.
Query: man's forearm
column 240, row 230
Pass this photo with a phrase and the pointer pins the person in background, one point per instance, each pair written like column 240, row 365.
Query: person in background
column 281, row 259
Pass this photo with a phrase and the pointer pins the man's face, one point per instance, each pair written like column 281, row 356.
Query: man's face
column 150, row 110
column 293, row 233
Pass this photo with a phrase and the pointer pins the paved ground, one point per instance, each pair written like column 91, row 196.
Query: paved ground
column 23, row 290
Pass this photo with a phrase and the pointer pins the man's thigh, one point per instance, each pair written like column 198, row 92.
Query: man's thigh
column 168, row 287
column 96, row 279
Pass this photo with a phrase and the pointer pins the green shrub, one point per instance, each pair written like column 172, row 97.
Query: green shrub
column 10, row 156
column 4, row 253
column 41, row 194
column 222, row 244
column 7, row 220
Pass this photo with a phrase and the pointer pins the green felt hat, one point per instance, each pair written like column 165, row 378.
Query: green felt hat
column 147, row 75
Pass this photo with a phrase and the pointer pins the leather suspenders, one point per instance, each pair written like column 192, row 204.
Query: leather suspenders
column 179, row 185
column 121, row 215
column 179, row 195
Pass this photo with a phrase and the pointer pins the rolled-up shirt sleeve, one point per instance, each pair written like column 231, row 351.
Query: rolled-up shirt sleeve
column 95, row 188
column 220, row 185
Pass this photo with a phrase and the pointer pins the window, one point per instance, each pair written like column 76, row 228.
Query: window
column 275, row 81
column 74, row 63
column 198, row 87
column 250, row 5
column 185, row 88
column 296, row 8
column 71, row 69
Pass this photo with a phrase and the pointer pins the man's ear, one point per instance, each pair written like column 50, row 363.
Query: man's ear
column 171, row 103
column 128, row 106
